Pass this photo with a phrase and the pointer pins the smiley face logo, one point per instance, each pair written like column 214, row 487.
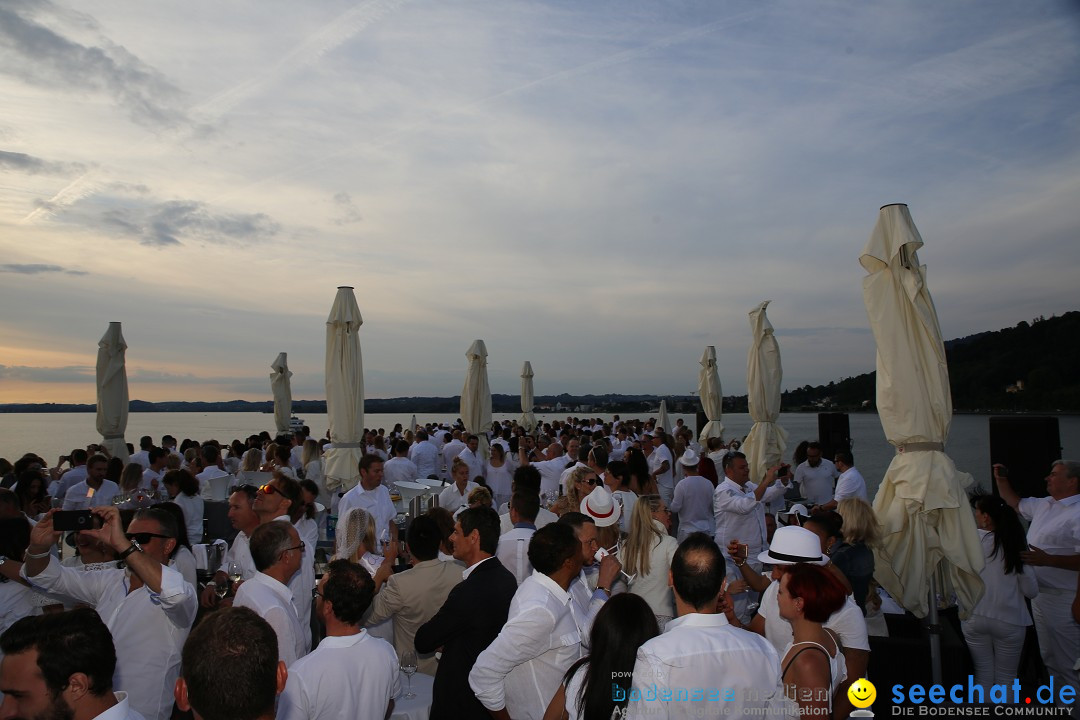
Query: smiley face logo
column 862, row 693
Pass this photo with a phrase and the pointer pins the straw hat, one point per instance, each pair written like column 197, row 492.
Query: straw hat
column 602, row 508
column 792, row 545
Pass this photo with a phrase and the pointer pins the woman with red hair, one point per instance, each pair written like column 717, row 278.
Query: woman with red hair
column 813, row 664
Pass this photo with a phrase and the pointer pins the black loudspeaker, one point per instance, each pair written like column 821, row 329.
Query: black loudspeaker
column 1027, row 446
column 834, row 433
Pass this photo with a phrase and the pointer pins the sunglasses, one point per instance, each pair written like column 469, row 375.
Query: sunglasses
column 269, row 489
column 315, row 593
column 594, row 482
column 299, row 547
column 144, row 537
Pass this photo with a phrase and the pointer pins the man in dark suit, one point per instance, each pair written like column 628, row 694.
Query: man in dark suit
column 471, row 617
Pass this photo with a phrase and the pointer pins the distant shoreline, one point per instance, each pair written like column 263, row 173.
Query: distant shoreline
column 634, row 406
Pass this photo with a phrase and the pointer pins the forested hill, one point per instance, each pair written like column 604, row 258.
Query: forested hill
column 1031, row 367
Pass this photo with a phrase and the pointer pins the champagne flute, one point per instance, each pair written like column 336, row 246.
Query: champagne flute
column 408, row 666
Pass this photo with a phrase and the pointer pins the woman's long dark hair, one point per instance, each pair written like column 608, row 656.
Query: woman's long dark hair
column 638, row 467
column 622, row 625
column 1009, row 536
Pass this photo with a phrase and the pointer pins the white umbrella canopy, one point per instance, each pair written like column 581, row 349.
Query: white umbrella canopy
column 112, row 392
column 927, row 525
column 344, row 392
column 476, row 396
column 662, row 420
column 412, row 423
column 280, row 386
column 528, row 420
column 712, row 399
column 764, row 446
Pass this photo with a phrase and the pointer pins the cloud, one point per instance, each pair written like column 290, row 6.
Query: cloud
column 172, row 223
column 37, row 166
column 350, row 213
column 35, row 47
column 68, row 374
column 37, row 269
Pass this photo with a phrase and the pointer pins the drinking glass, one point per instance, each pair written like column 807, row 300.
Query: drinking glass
column 408, row 666
column 235, row 575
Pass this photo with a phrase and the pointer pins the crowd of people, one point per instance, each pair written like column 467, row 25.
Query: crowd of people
column 582, row 570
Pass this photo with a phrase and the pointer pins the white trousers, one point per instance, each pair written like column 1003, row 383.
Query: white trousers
column 995, row 648
column 1059, row 636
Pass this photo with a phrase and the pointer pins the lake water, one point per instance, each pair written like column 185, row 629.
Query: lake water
column 54, row 434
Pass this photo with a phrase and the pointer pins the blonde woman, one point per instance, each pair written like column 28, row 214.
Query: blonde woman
column 647, row 555
column 356, row 540
column 249, row 464
column 579, row 483
column 854, row 555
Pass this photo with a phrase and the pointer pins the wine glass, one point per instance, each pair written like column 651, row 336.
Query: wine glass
column 222, row 590
column 235, row 575
column 408, row 666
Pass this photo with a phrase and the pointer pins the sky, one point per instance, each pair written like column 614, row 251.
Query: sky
column 602, row 188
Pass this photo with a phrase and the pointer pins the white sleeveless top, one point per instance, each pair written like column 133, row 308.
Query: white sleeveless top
column 837, row 664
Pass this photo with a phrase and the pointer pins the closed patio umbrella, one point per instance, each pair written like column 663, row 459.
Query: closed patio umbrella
column 280, row 386
column 927, row 526
column 112, row 391
column 712, row 399
column 476, row 396
column 764, row 446
column 662, row 420
column 528, row 420
column 344, row 392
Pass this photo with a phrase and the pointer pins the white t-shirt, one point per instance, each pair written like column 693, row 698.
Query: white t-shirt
column 848, row 622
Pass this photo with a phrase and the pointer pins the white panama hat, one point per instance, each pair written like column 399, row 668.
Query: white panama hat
column 602, row 508
column 792, row 545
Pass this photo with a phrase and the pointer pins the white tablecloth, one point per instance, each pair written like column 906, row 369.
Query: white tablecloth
column 419, row 707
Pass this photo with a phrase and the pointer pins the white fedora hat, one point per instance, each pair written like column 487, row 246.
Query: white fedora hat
column 795, row 515
column 793, row 544
column 690, row 458
column 602, row 508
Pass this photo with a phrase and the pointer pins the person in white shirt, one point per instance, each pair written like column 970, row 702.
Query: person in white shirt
column 470, row 456
column 148, row 607
column 791, row 545
column 211, row 463
column 450, row 451
column 586, row 600
column 850, row 483
column 550, row 469
column 526, row 478
column 513, row 550
column 73, row 475
column 182, row 488
column 281, row 500
column 426, row 456
column 243, row 517
column 400, row 467
column 701, row 654
column 815, row 476
column 372, row 495
column 1054, row 535
column 524, row 666
column 739, row 506
column 662, row 466
column 455, row 495
column 155, row 470
column 350, row 674
column 278, row 553
column 143, row 456
column 231, row 668
column 998, row 623
column 61, row 665
column 693, row 499
column 95, row 490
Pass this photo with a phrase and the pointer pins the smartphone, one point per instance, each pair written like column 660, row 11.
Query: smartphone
column 66, row 520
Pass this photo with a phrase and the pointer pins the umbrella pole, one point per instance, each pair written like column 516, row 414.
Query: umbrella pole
column 935, row 633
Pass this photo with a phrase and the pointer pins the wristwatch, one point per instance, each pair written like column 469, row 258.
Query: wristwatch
column 135, row 547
